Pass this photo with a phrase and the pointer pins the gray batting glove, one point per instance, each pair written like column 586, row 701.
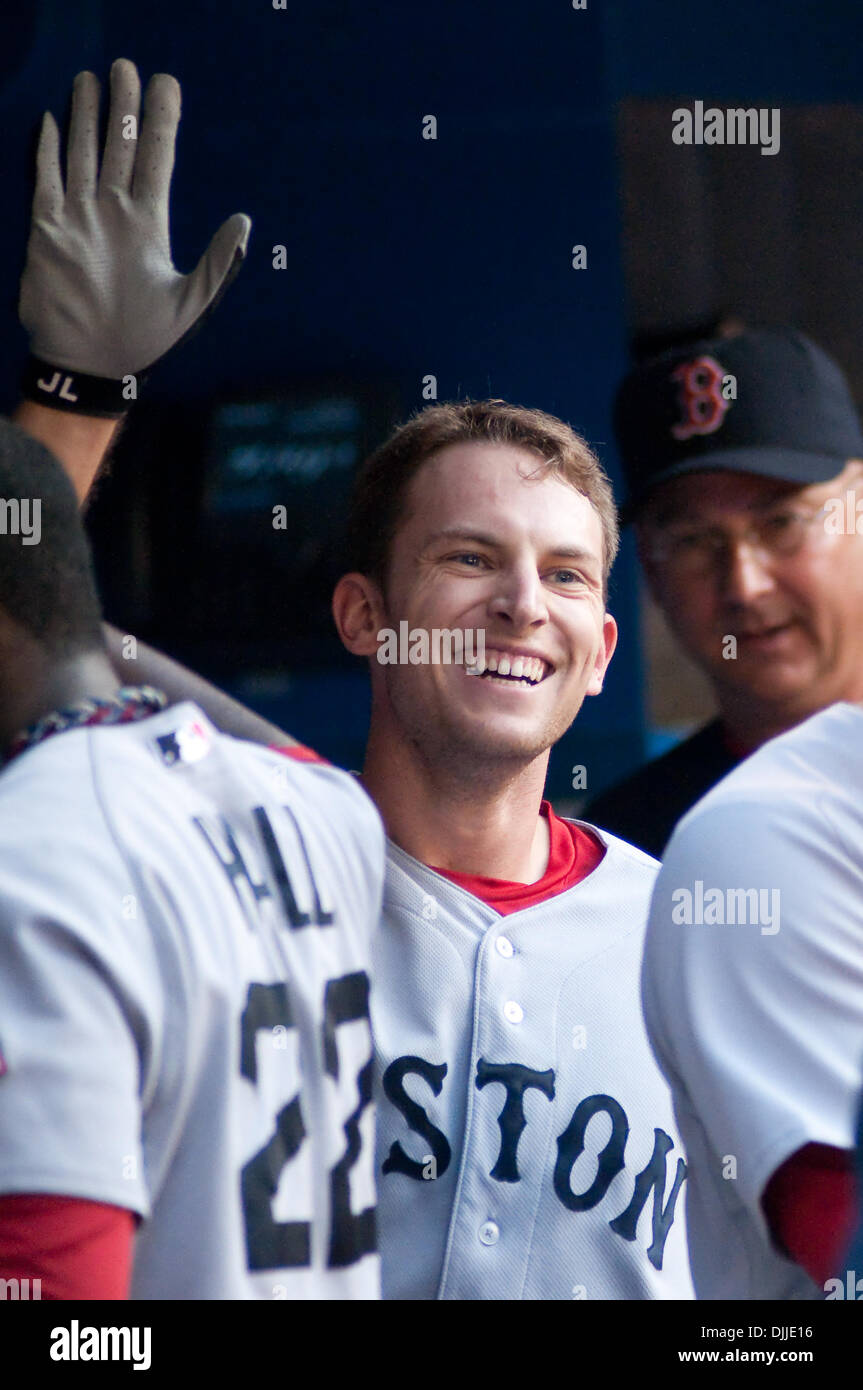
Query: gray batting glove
column 100, row 297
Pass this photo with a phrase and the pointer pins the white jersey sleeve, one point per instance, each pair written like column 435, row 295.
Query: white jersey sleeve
column 82, row 998
column 185, row 934
column 753, row 988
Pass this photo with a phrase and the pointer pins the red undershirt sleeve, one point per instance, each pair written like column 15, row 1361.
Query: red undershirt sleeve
column 298, row 751
column 811, row 1207
column 78, row 1249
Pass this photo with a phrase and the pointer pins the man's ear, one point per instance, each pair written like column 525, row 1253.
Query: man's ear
column 604, row 655
column 358, row 610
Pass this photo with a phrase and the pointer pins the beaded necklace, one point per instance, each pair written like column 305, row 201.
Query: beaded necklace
column 131, row 702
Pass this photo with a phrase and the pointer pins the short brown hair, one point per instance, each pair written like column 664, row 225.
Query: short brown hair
column 378, row 501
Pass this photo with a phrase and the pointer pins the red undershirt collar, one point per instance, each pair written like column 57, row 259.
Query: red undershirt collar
column 573, row 854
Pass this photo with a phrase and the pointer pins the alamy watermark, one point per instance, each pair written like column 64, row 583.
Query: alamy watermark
column 844, row 516
column 77, row 1343
column 851, row 1288
column 438, row 646
column 20, row 1290
column 720, row 907
column 734, row 126
column 21, row 516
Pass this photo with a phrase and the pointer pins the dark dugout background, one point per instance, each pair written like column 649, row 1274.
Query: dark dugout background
column 409, row 257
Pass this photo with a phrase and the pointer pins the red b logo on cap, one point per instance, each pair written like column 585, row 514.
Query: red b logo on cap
column 701, row 402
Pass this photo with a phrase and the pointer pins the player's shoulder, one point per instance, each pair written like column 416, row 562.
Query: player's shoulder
column 313, row 786
column 186, row 744
column 621, row 857
column 55, row 835
column 795, row 774
column 48, row 783
column 302, row 767
column 790, row 816
column 619, row 889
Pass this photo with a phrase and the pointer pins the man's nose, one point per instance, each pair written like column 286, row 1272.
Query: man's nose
column 519, row 597
column 745, row 572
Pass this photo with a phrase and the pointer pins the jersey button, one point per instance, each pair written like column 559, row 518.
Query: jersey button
column 489, row 1232
column 504, row 947
column 512, row 1012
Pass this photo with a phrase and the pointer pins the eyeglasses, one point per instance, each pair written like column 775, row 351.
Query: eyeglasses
column 692, row 552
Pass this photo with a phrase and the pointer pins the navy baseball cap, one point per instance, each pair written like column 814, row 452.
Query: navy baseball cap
column 768, row 401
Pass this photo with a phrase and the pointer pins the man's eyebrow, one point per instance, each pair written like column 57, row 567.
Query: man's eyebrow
column 457, row 533
column 780, row 494
column 574, row 552
column 561, row 552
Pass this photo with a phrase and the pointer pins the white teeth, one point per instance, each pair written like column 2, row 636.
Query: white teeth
column 527, row 668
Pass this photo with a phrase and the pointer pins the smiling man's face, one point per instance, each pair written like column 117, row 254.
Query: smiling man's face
column 797, row 619
column 491, row 543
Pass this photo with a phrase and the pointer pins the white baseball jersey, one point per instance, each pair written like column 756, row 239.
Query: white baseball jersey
column 185, row 924
column 526, row 1148
column 753, row 988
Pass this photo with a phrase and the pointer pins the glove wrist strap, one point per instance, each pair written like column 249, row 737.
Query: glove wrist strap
column 78, row 393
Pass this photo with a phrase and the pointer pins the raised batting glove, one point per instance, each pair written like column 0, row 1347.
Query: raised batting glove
column 100, row 297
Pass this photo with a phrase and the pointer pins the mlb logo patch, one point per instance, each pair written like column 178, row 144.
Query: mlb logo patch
column 188, row 743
